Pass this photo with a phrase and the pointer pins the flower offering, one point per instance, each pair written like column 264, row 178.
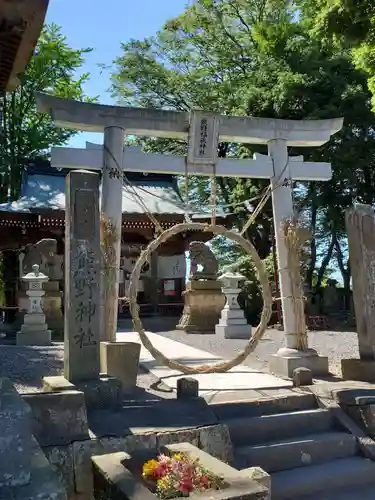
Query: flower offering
column 179, row 475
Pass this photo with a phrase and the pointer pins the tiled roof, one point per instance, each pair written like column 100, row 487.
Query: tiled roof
column 47, row 192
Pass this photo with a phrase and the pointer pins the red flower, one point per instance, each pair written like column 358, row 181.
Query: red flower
column 204, row 481
column 186, row 484
column 161, row 470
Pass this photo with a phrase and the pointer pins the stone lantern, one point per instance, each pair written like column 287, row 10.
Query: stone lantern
column 232, row 324
column 34, row 330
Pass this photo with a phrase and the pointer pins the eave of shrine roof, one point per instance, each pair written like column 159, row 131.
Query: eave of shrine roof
column 47, row 192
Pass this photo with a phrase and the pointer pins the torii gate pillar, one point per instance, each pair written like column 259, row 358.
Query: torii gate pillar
column 289, row 357
column 111, row 211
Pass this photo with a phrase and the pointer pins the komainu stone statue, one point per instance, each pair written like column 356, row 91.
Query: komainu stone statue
column 202, row 255
column 203, row 298
column 43, row 253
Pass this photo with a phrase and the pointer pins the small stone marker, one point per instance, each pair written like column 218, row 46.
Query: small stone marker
column 121, row 360
column 82, row 277
column 302, row 376
column 187, row 388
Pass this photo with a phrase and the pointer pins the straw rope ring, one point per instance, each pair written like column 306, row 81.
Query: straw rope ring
column 262, row 276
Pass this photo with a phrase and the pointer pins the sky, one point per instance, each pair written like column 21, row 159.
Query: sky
column 102, row 26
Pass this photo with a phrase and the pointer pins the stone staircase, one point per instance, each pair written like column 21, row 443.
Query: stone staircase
column 303, row 449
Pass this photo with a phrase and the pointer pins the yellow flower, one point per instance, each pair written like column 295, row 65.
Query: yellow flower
column 164, row 483
column 150, row 467
column 180, row 457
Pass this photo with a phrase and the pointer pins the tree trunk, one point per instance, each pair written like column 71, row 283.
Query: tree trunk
column 325, row 263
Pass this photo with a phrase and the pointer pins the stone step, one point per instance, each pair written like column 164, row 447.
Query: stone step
column 296, row 484
column 296, row 452
column 359, row 491
column 291, row 402
column 278, row 426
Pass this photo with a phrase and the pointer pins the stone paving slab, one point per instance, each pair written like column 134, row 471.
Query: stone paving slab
column 239, row 378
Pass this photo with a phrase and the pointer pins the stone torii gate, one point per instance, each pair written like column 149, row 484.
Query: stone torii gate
column 203, row 131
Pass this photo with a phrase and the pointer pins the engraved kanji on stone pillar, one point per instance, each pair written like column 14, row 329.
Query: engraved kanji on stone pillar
column 82, row 276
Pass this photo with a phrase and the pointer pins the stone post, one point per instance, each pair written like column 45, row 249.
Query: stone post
column 34, row 330
column 232, row 324
column 82, row 297
column 360, row 226
column 111, row 207
column 288, row 358
column 82, row 277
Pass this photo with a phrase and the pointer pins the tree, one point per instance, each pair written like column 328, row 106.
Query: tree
column 25, row 134
column 201, row 59
column 251, row 57
column 348, row 23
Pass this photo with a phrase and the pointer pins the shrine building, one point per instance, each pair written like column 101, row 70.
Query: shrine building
column 39, row 213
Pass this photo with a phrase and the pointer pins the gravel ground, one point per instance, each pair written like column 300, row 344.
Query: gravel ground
column 335, row 345
column 26, row 366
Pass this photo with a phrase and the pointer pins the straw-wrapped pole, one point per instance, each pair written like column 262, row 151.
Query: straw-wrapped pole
column 295, row 236
column 108, row 240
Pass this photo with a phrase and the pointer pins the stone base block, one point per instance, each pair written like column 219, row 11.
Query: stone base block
column 25, row 472
column 34, row 327
column 284, row 366
column 233, row 331
column 231, row 314
column 57, row 384
column 34, row 338
column 105, row 392
column 59, row 417
column 121, row 360
column 358, row 369
column 34, row 319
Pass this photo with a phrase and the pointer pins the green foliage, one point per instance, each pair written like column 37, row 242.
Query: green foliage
column 350, row 24
column 259, row 58
column 25, row 134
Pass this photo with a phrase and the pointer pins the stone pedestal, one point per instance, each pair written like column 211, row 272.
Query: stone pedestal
column 34, row 330
column 232, row 324
column 204, row 301
column 360, row 226
column 287, row 360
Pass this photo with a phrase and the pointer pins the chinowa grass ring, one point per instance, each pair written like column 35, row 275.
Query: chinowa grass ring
column 263, row 280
